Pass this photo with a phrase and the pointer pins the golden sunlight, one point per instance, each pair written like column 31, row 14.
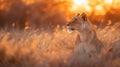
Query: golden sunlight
column 81, row 5
column 99, row 7
column 80, row 2
column 108, row 1
column 88, row 8
column 100, row 10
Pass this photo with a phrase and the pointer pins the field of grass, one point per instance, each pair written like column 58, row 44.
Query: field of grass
column 36, row 48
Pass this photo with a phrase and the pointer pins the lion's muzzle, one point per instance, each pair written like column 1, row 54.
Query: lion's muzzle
column 69, row 29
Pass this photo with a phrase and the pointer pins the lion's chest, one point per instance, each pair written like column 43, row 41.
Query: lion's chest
column 84, row 48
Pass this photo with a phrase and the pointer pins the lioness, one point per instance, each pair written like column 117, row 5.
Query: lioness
column 86, row 33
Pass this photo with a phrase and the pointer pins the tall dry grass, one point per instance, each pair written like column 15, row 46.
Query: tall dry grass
column 36, row 48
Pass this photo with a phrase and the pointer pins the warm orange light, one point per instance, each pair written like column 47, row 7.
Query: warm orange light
column 91, row 5
column 28, row 1
column 80, row 2
column 98, row 7
column 108, row 1
column 88, row 8
column 80, row 5
column 100, row 10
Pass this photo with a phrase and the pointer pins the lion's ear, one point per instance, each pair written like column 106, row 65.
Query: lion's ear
column 84, row 16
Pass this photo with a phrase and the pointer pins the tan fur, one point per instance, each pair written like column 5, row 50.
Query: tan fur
column 86, row 33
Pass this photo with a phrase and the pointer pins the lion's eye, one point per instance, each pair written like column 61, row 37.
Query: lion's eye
column 75, row 19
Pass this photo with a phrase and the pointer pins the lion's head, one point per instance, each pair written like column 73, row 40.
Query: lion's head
column 77, row 22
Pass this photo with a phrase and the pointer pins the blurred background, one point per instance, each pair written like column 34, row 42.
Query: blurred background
column 48, row 14
column 33, row 32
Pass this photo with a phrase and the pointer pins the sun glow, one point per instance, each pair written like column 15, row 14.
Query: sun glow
column 80, row 2
column 100, row 10
column 108, row 1
column 81, row 5
column 98, row 7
